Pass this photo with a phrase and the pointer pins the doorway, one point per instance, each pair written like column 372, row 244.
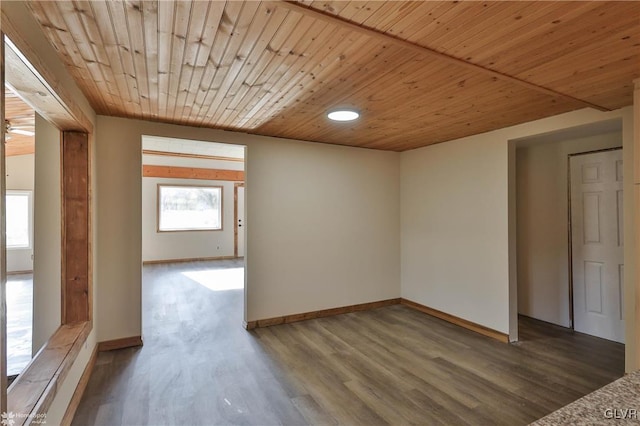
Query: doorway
column 542, row 217
column 190, row 226
column 188, row 193
column 597, row 243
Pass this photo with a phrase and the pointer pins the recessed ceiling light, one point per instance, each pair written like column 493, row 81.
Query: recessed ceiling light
column 343, row 115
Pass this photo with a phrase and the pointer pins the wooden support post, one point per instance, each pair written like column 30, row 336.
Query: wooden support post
column 75, row 241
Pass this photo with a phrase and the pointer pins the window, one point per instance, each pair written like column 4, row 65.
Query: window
column 18, row 219
column 189, row 208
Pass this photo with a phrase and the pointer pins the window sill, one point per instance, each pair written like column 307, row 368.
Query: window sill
column 35, row 388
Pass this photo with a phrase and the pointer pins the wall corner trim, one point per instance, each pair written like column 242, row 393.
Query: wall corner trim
column 485, row 331
column 469, row 325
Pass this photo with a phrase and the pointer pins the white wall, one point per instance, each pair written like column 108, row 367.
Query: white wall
column 454, row 230
column 542, row 229
column 323, row 223
column 323, row 227
column 20, row 176
column 456, row 216
column 186, row 245
column 47, row 273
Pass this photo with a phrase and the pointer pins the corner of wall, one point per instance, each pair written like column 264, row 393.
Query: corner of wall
column 512, row 232
column 630, row 253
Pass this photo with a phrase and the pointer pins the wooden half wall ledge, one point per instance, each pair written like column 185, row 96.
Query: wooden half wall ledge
column 80, row 388
column 36, row 387
column 123, row 343
column 486, row 331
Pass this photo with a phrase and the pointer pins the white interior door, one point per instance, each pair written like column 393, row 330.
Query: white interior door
column 241, row 221
column 597, row 244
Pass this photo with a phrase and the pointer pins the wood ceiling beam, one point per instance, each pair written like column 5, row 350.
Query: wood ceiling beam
column 388, row 38
column 176, row 172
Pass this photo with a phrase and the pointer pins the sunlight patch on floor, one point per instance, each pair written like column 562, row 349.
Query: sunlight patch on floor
column 218, row 279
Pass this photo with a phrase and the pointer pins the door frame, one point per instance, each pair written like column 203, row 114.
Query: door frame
column 570, row 225
column 236, row 185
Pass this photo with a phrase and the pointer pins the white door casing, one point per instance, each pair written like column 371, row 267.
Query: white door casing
column 597, row 244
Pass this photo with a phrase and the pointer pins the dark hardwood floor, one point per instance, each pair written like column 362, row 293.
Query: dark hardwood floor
column 391, row 365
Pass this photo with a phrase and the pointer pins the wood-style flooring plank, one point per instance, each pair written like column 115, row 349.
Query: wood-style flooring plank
column 391, row 365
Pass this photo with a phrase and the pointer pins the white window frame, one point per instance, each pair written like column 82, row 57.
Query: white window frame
column 189, row 229
column 29, row 195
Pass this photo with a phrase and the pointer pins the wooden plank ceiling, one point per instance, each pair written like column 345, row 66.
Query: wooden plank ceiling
column 420, row 72
column 21, row 117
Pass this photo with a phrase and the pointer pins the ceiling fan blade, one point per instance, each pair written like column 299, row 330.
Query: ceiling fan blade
column 23, row 132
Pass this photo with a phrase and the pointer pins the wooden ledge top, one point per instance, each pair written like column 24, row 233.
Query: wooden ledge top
column 35, row 388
